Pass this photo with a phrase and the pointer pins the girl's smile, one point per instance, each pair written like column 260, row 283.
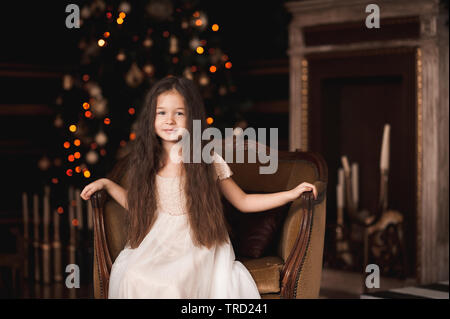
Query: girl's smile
column 172, row 130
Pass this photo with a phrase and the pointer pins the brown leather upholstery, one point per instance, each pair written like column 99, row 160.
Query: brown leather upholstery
column 295, row 269
column 255, row 235
column 266, row 272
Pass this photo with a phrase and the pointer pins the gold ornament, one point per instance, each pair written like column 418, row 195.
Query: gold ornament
column 188, row 74
column 204, row 80
column 125, row 7
column 173, row 49
column 148, row 42
column 200, row 21
column 120, row 56
column 101, row 138
column 149, row 69
column 160, row 9
column 99, row 107
column 92, row 157
column 58, row 121
column 134, row 76
column 44, row 163
column 194, row 43
column 67, row 82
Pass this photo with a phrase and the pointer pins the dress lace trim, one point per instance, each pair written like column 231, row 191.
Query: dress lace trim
column 222, row 169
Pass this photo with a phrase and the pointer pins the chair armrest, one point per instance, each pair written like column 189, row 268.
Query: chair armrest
column 321, row 188
column 294, row 264
column 101, row 251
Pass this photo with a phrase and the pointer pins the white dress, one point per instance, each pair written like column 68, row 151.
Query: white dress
column 168, row 265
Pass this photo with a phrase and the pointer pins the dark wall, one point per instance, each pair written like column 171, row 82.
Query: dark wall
column 37, row 49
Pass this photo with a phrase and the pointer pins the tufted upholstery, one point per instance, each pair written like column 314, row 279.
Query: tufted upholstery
column 292, row 271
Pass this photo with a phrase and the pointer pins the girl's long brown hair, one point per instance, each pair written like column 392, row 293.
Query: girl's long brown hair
column 204, row 203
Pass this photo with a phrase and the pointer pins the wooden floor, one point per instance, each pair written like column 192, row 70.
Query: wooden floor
column 29, row 289
column 335, row 284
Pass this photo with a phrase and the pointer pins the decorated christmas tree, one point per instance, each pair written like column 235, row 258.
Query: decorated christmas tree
column 124, row 48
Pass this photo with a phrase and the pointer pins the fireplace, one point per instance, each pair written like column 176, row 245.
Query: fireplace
column 347, row 81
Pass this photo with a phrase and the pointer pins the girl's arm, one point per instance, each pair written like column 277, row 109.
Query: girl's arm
column 249, row 203
column 116, row 191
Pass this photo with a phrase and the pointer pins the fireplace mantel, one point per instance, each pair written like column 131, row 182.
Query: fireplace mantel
column 432, row 71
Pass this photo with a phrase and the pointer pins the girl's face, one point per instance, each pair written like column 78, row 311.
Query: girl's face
column 170, row 116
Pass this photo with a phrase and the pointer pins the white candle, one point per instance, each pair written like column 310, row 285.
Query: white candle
column 344, row 161
column 340, row 196
column 46, row 213
column 341, row 181
column 340, row 209
column 79, row 209
column 46, row 205
column 56, row 225
column 384, row 161
column 355, row 183
column 72, row 237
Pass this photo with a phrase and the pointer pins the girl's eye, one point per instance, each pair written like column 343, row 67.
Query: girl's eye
column 161, row 112
column 180, row 113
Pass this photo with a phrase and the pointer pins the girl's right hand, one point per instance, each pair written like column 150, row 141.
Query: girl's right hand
column 303, row 187
column 92, row 188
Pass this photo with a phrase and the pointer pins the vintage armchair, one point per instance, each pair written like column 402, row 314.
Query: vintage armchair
column 293, row 270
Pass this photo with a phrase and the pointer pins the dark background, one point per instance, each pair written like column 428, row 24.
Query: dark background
column 37, row 50
column 35, row 32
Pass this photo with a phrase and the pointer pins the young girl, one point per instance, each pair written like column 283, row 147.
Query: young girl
column 177, row 240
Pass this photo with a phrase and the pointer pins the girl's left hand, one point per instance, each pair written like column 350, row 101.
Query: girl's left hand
column 303, row 187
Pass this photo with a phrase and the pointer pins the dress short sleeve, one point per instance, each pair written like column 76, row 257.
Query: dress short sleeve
column 222, row 169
